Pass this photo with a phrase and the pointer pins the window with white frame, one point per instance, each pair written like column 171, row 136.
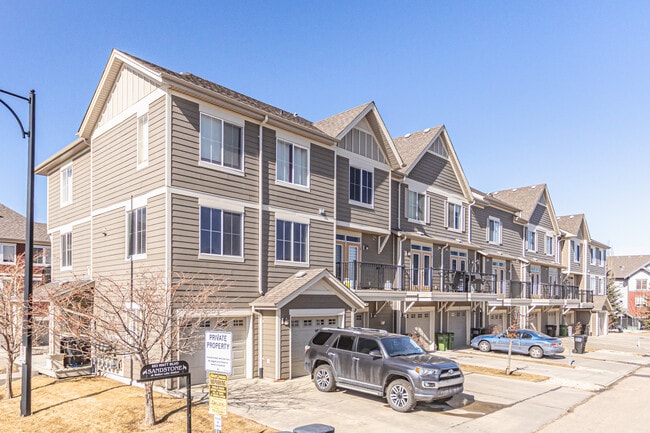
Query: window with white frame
column 361, row 185
column 221, row 232
column 291, row 241
column 603, row 257
column 221, row 142
column 642, row 284
column 576, row 251
column 416, row 206
column 438, row 148
column 66, row 250
column 66, row 185
column 494, row 231
column 592, row 255
column 41, row 255
column 640, row 301
column 8, row 252
column 137, row 232
column 454, row 216
column 292, row 163
column 531, row 239
column 362, row 143
column 143, row 139
column 550, row 245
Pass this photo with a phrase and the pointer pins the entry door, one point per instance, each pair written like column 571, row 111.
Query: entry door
column 500, row 275
column 534, row 285
column 348, row 260
column 421, row 270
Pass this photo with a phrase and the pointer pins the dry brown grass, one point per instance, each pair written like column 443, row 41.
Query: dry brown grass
column 519, row 375
column 96, row 404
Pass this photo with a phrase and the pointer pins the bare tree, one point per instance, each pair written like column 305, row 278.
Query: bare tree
column 150, row 318
column 11, row 317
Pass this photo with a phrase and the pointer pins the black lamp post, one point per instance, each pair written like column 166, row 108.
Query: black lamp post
column 26, row 349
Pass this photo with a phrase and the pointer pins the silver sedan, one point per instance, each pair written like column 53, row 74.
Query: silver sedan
column 525, row 341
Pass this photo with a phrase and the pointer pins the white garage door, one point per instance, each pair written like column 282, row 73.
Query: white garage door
column 420, row 323
column 302, row 329
column 458, row 325
column 196, row 360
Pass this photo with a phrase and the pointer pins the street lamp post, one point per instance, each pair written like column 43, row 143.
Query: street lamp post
column 26, row 349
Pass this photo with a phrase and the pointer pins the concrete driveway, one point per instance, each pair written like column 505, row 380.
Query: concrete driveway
column 488, row 404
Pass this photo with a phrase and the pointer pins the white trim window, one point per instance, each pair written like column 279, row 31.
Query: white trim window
column 416, row 206
column 8, row 253
column 137, row 233
column 640, row 301
column 575, row 246
column 42, row 256
column 292, row 163
column 549, row 245
column 291, row 241
column 221, row 232
column 221, row 142
column 454, row 216
column 531, row 239
column 361, row 186
column 495, row 231
column 143, row 140
column 66, row 250
column 66, row 185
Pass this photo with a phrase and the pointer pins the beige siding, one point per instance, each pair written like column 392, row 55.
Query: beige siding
column 185, row 154
column 80, row 254
column 115, row 160
column 240, row 279
column 285, row 352
column 269, row 344
column 80, row 206
column 434, row 170
column 129, row 88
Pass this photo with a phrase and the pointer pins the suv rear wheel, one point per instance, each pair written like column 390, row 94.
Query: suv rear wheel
column 400, row 395
column 324, row 378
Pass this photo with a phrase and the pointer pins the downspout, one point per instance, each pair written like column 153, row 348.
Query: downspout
column 260, row 359
column 260, row 229
column 442, row 267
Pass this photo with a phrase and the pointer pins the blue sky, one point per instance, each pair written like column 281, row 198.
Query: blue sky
column 530, row 92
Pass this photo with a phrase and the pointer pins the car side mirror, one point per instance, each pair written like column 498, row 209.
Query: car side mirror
column 375, row 353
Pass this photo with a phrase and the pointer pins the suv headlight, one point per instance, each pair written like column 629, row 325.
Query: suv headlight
column 427, row 371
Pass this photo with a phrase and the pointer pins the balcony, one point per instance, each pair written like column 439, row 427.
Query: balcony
column 377, row 276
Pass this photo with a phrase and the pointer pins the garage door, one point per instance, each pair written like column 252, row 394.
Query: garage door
column 458, row 325
column 420, row 323
column 196, row 360
column 302, row 329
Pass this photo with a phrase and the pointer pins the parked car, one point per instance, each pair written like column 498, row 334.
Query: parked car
column 616, row 328
column 524, row 341
column 377, row 362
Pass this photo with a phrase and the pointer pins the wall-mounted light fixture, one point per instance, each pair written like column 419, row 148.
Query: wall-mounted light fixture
column 285, row 321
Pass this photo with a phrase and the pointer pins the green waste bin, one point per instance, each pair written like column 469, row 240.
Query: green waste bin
column 450, row 338
column 442, row 340
column 564, row 330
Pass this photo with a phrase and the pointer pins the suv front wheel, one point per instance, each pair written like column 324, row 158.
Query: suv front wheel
column 400, row 395
column 324, row 378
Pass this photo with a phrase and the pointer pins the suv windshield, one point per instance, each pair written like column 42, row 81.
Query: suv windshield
column 401, row 346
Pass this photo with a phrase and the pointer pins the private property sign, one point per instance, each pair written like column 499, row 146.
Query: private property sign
column 218, row 351
column 164, row 370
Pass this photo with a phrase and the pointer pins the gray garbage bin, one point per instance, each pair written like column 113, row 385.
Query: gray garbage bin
column 579, row 343
column 314, row 428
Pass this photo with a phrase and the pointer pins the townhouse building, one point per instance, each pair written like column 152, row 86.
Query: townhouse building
column 631, row 277
column 308, row 224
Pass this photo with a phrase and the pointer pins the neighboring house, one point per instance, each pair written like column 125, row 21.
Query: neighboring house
column 631, row 276
column 585, row 261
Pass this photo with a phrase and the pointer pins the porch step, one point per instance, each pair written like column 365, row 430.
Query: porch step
column 67, row 372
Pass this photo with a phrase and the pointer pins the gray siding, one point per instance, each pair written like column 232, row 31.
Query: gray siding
column 434, row 170
column 541, row 217
column 372, row 255
column 314, row 302
column 185, row 153
column 511, row 233
column 395, row 204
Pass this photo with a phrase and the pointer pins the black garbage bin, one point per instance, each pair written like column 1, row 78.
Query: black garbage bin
column 314, row 428
column 579, row 343
column 550, row 330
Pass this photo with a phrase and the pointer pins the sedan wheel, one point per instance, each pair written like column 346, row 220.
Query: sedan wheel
column 536, row 352
column 400, row 395
column 484, row 346
column 324, row 378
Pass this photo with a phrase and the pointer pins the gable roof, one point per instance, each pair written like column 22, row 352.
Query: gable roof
column 293, row 286
column 622, row 267
column 191, row 84
column 340, row 124
column 413, row 146
column 13, row 227
column 526, row 198
column 572, row 223
column 485, row 199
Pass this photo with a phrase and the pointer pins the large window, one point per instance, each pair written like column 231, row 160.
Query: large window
column 221, row 142
column 66, row 250
column 8, row 253
column 41, row 255
column 416, row 206
column 221, row 232
column 550, row 242
column 137, row 232
column 143, row 139
column 455, row 216
column 361, row 185
column 291, row 241
column 66, row 185
column 292, row 163
column 494, row 231
column 531, row 239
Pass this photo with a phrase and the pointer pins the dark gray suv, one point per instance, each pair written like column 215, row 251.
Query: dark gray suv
column 380, row 363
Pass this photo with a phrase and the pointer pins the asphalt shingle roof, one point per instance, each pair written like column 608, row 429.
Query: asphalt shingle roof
column 286, row 288
column 571, row 223
column 624, row 266
column 411, row 146
column 335, row 124
column 524, row 198
column 12, row 227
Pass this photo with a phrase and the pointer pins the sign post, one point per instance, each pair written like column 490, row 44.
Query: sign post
column 218, row 363
column 169, row 370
